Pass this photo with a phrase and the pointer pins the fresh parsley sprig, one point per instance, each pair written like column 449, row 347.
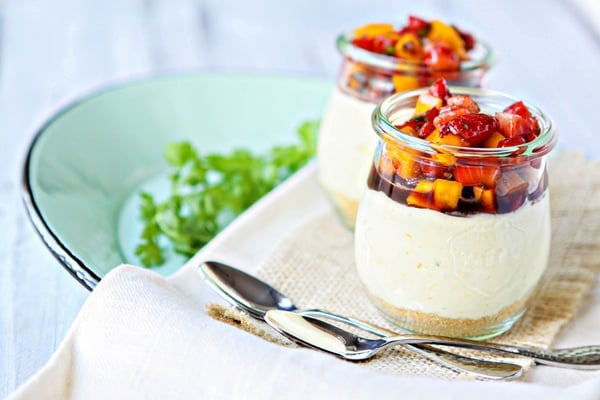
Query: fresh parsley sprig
column 209, row 191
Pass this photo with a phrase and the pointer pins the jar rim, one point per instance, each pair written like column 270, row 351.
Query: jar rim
column 483, row 57
column 386, row 130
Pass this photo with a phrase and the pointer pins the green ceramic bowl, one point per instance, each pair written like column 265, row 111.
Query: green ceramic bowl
column 87, row 164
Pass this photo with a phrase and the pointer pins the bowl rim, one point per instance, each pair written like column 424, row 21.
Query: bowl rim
column 74, row 265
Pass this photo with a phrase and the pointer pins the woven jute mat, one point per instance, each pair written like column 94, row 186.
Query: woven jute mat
column 315, row 266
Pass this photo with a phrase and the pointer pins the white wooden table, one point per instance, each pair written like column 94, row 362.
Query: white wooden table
column 51, row 51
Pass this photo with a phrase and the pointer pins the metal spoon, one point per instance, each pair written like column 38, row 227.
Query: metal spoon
column 257, row 298
column 325, row 336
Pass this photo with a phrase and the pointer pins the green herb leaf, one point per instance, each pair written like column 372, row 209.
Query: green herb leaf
column 209, row 191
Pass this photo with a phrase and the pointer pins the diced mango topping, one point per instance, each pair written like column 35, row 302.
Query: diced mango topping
column 493, row 140
column 406, row 165
column 446, row 194
column 426, row 102
column 444, row 159
column 409, row 47
column 442, row 32
column 373, row 30
column 421, row 200
column 425, row 186
column 449, row 139
column 404, row 82
column 488, row 200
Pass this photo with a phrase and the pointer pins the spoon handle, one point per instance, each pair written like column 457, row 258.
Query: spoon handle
column 586, row 357
column 365, row 326
column 476, row 367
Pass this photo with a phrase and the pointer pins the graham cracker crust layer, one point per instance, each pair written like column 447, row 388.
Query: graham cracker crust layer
column 434, row 324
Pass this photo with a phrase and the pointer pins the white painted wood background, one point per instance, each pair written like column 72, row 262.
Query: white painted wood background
column 51, row 51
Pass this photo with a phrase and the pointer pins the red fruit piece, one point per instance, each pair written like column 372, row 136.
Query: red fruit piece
column 364, row 43
column 418, row 25
column 515, row 141
column 439, row 89
column 467, row 38
column 447, row 114
column 463, row 101
column 426, row 129
column 475, row 175
column 514, row 125
column 529, row 128
column 433, row 170
column 474, row 128
column 511, row 192
column 384, row 45
column 518, row 108
column 441, row 57
column 422, row 124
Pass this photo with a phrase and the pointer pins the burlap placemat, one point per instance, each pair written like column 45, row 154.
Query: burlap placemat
column 315, row 266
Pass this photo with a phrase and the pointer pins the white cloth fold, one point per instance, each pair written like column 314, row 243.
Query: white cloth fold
column 141, row 336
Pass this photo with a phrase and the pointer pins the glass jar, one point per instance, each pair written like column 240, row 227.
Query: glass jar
column 346, row 142
column 453, row 240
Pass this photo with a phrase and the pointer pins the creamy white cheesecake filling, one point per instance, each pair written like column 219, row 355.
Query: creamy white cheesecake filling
column 452, row 266
column 346, row 145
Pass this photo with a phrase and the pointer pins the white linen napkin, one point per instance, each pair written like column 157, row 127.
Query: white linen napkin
column 141, row 336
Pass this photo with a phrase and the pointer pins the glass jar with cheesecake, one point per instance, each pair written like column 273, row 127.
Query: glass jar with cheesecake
column 380, row 60
column 453, row 231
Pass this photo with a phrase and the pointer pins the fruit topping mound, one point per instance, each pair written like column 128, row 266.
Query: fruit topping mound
column 443, row 118
column 462, row 184
column 434, row 43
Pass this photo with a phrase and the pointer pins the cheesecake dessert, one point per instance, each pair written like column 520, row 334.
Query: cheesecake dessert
column 380, row 60
column 453, row 230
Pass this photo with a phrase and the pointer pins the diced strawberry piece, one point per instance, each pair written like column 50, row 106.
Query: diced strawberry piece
column 418, row 25
column 432, row 113
column 384, row 44
column 364, row 43
column 515, row 141
column 426, row 129
column 439, row 89
column 475, row 175
column 433, row 170
column 514, row 125
column 518, row 108
column 411, row 124
column 475, row 128
column 463, row 101
column 440, row 56
column 418, row 122
column 447, row 114
column 467, row 38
